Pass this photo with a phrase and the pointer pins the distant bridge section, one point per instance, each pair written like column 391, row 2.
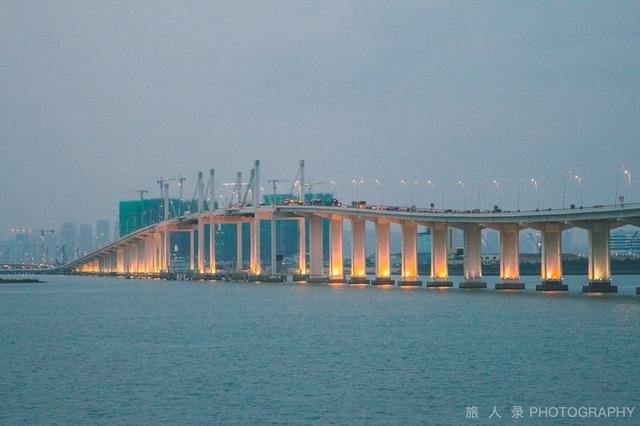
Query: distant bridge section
column 146, row 251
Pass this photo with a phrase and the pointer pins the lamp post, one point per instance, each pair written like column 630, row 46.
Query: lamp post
column 579, row 182
column 497, row 184
column 433, row 193
column 415, row 182
column 534, row 185
column 357, row 184
column 627, row 173
column 464, row 194
column 618, row 170
column 380, row 191
column 518, row 194
column 564, row 187
column 479, row 193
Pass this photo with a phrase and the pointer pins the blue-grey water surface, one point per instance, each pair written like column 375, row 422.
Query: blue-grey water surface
column 84, row 350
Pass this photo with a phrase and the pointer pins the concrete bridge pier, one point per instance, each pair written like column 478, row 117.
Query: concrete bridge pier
column 166, row 251
column 120, row 259
column 142, row 247
column 108, row 262
column 125, row 259
column 192, row 250
column 302, row 252
column 140, row 256
column 472, row 258
column 509, row 258
column 383, row 264
column 148, row 254
column 133, row 257
column 157, row 247
column 599, row 262
column 551, row 260
column 336, row 267
column 409, row 255
column 358, row 253
column 255, row 266
column 315, row 250
column 201, row 253
column 130, row 256
column 439, row 251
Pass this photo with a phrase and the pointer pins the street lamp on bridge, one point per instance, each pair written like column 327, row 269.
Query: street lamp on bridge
column 464, row 194
column 534, row 185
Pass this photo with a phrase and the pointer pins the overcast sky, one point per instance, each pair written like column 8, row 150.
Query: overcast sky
column 97, row 98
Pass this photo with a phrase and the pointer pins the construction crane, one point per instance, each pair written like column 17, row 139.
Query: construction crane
column 139, row 191
column 164, row 186
column 274, row 182
column 44, row 251
column 179, row 179
column 237, row 189
column 311, row 185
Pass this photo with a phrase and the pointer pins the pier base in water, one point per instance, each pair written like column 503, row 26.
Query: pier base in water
column 383, row 281
column 552, row 285
column 509, row 285
column 472, row 284
column 439, row 284
column 600, row 287
column 409, row 283
column 359, row 280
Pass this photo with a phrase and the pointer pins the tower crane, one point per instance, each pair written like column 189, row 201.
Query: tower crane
column 309, row 186
column 274, row 182
column 164, row 188
column 139, row 191
column 237, row 189
column 179, row 179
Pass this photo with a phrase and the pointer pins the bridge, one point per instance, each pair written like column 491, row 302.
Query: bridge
column 145, row 252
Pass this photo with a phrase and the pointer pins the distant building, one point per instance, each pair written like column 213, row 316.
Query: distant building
column 103, row 233
column 625, row 243
column 136, row 214
column 23, row 248
column 69, row 241
column 85, row 239
column 424, row 247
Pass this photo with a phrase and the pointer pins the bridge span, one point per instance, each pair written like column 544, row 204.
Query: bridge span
column 146, row 251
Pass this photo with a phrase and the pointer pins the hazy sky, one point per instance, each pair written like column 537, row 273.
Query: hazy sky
column 97, row 98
